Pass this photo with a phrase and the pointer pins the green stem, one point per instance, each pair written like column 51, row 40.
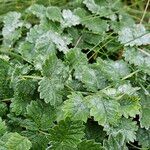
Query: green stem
column 130, row 75
column 33, row 77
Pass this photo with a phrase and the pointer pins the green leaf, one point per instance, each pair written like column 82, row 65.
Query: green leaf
column 135, row 35
column 129, row 106
column 113, row 70
column 42, row 114
column 54, row 13
column 125, row 126
column 75, row 58
column 10, row 31
column 23, row 94
column 37, row 10
column 18, row 142
column 95, row 25
column 76, row 107
column 143, row 137
column 61, row 42
column 69, row 19
column 38, row 139
column 5, row 91
column 138, row 57
column 102, row 8
column 67, row 134
column 54, row 68
column 104, row 110
column 3, row 109
column 90, row 145
column 115, row 143
column 51, row 90
column 3, row 127
column 145, row 111
column 92, row 79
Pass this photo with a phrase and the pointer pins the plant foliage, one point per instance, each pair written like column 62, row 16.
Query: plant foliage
column 74, row 78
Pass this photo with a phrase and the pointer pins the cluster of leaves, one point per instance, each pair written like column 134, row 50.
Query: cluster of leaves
column 74, row 79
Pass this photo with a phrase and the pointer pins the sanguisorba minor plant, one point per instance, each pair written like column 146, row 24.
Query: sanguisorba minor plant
column 74, row 79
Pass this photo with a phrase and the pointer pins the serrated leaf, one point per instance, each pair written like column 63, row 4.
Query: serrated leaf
column 69, row 19
column 139, row 58
column 102, row 8
column 95, row 25
column 5, row 91
column 3, row 127
column 10, row 31
column 105, row 111
column 115, row 143
column 24, row 93
column 145, row 111
column 18, row 142
column 67, row 134
column 129, row 106
column 54, row 13
column 92, row 79
column 90, row 145
column 76, row 107
column 61, row 42
column 54, row 68
column 42, row 114
column 51, row 90
column 143, row 137
column 37, row 10
column 75, row 58
column 135, row 35
column 3, row 109
column 39, row 140
column 125, row 126
column 113, row 70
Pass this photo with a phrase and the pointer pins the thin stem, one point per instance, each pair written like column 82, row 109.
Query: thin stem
column 144, row 11
column 130, row 75
column 138, row 147
column 6, row 100
column 33, row 77
column 146, row 53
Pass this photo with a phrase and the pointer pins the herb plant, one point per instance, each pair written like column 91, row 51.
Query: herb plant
column 74, row 78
